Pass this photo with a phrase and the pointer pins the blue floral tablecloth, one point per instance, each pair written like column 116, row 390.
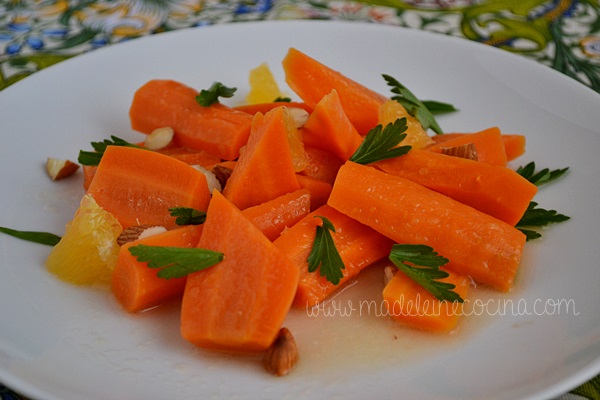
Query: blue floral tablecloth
column 561, row 34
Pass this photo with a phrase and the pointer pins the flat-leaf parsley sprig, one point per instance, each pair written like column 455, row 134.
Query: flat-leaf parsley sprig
column 382, row 143
column 187, row 215
column 422, row 264
column 324, row 254
column 175, row 262
column 210, row 96
column 92, row 158
column 49, row 239
column 535, row 217
column 542, row 176
column 415, row 107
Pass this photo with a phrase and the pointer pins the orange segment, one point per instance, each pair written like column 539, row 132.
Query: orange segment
column 263, row 87
column 416, row 137
column 88, row 251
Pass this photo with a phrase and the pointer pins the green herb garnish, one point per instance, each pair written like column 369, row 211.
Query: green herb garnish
column 282, row 99
column 93, row 158
column 538, row 217
column 49, row 239
column 324, row 255
column 208, row 97
column 438, row 107
column 541, row 177
column 187, row 216
column 175, row 262
column 422, row 264
column 415, row 107
column 381, row 143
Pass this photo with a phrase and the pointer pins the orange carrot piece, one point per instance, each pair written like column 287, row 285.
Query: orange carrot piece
column 264, row 108
column 319, row 190
column 273, row 216
column 218, row 129
column 478, row 245
column 190, row 156
column 264, row 170
column 88, row 175
column 494, row 190
column 312, row 80
column 239, row 304
column 359, row 246
column 139, row 186
column 328, row 128
column 514, row 145
column 321, row 165
column 136, row 286
column 488, row 143
column 412, row 305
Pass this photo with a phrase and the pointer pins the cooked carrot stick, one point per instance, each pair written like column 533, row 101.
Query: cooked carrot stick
column 273, row 216
column 139, row 186
column 190, row 156
column 358, row 245
column 240, row 303
column 265, row 169
column 488, row 143
column 319, row 190
column 328, row 128
column 514, row 145
column 218, row 129
column 321, row 165
column 477, row 245
column 312, row 80
column 412, row 305
column 136, row 286
column 497, row 191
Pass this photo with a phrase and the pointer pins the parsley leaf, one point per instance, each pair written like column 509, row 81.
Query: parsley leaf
column 324, row 255
column 187, row 216
column 175, row 262
column 424, row 269
column 94, row 157
column 414, row 106
column 541, row 177
column 380, row 143
column 538, row 217
column 46, row 238
column 208, row 97
column 282, row 99
column 438, row 107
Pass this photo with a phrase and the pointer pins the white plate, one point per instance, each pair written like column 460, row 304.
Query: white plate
column 63, row 342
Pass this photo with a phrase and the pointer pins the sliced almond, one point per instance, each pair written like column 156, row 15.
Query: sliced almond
column 138, row 232
column 467, row 151
column 281, row 357
column 159, row 138
column 388, row 274
column 60, row 169
column 299, row 115
column 211, row 179
column 222, row 173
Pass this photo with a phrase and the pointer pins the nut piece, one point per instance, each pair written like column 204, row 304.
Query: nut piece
column 159, row 138
column 138, row 232
column 282, row 355
column 60, row 169
column 211, row 179
column 299, row 115
column 222, row 173
column 467, row 151
column 388, row 274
